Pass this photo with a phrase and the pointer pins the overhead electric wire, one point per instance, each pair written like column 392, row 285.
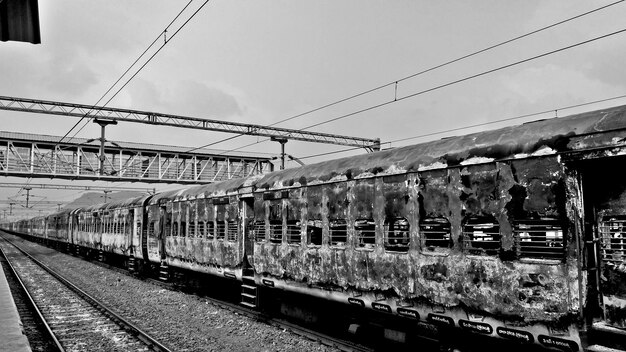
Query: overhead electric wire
column 396, row 99
column 466, row 78
column 129, row 68
column 395, row 82
column 135, row 62
column 474, row 125
column 153, row 55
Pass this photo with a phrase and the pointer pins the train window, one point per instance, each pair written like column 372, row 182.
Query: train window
column 168, row 224
column 365, row 230
column 276, row 231
column 175, row 229
column 231, row 230
column 259, row 231
column 220, row 229
column 314, row 232
column 481, row 235
column 540, row 239
column 435, row 233
column 151, row 228
column 200, row 229
column 294, row 232
column 338, row 233
column 210, row 230
column 183, row 229
column 612, row 232
column 397, row 236
column 192, row 229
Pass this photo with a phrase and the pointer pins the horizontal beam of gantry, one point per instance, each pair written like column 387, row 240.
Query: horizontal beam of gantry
column 30, row 155
column 154, row 118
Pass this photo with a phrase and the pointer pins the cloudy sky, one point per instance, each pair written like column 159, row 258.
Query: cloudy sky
column 264, row 61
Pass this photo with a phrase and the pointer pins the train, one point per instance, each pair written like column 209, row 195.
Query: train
column 516, row 234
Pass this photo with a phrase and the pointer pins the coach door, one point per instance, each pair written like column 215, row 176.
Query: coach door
column 604, row 192
column 247, row 208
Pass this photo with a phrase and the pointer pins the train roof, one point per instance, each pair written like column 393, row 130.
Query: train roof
column 541, row 137
column 538, row 137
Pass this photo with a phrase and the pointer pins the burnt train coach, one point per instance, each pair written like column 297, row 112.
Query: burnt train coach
column 517, row 233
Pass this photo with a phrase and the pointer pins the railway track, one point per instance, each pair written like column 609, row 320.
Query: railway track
column 77, row 321
column 304, row 332
column 311, row 334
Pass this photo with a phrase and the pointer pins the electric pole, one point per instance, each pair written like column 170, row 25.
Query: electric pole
column 27, row 188
column 102, row 157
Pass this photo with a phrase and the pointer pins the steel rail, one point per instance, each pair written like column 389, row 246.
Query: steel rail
column 32, row 303
column 155, row 118
column 343, row 345
column 152, row 343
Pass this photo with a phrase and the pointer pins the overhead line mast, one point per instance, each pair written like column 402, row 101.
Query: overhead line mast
column 154, row 118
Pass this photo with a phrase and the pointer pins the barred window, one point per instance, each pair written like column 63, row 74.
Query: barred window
column 365, row 230
column 435, row 233
column 174, row 229
column 397, row 236
column 168, row 225
column 276, row 231
column 314, row 232
column 612, row 232
column 200, row 229
column 192, row 229
column 540, row 239
column 259, row 231
column 151, row 228
column 183, row 228
column 210, row 229
column 338, row 232
column 231, row 230
column 220, row 229
column 481, row 235
column 294, row 231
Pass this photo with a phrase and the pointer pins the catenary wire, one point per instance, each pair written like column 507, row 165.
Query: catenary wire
column 129, row 68
column 474, row 125
column 148, row 61
column 463, row 57
column 412, row 95
column 142, row 66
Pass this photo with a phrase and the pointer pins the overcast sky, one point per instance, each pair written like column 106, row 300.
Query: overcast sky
column 263, row 61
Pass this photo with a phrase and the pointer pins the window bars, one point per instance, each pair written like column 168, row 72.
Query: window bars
column 541, row 238
column 612, row 232
column 481, row 235
column 365, row 231
column 435, row 233
column 397, row 236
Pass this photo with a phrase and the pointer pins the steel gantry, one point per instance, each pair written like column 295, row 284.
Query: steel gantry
column 31, row 155
column 154, row 118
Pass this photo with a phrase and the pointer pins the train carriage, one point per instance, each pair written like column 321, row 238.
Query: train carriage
column 487, row 232
column 517, row 233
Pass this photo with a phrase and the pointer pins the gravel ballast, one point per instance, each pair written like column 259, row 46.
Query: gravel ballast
column 181, row 321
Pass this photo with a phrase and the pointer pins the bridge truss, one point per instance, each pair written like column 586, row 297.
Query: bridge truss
column 41, row 156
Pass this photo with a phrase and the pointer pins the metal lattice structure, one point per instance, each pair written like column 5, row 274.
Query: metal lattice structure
column 154, row 118
column 30, row 155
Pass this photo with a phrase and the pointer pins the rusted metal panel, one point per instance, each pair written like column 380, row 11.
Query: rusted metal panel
column 337, row 200
column 296, row 205
column 395, row 190
column 363, row 198
column 199, row 253
column 315, row 203
column 486, row 283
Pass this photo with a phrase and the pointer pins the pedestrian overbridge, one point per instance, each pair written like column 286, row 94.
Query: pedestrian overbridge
column 40, row 156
